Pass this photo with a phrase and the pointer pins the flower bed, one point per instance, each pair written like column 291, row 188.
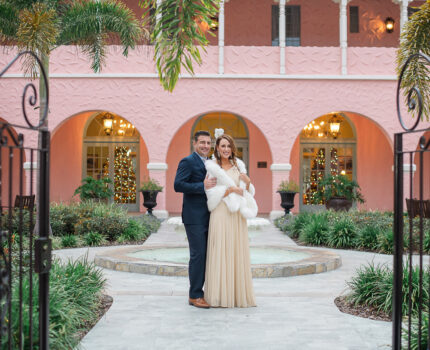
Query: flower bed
column 362, row 230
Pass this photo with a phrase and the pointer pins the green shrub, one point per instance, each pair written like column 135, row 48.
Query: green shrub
column 414, row 332
column 151, row 221
column 386, row 242
column 74, row 292
column 367, row 238
column 12, row 223
column 342, row 234
column 283, row 223
column 315, row 230
column 110, row 224
column 63, row 219
column 135, row 231
column 94, row 239
column 373, row 285
column 69, row 241
column 299, row 222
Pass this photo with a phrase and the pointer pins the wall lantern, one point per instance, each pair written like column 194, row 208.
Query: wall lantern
column 107, row 123
column 389, row 25
column 334, row 124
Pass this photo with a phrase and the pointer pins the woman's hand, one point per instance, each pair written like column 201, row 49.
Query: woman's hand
column 234, row 189
column 245, row 178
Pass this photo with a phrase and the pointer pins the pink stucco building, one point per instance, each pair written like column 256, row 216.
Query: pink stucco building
column 278, row 98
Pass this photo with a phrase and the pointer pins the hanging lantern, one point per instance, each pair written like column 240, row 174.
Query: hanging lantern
column 334, row 123
column 107, row 123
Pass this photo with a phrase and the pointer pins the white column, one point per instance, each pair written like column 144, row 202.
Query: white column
column 403, row 13
column 343, row 35
column 221, row 25
column 282, row 35
column 157, row 19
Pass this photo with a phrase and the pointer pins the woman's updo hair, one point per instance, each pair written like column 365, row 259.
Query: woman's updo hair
column 232, row 147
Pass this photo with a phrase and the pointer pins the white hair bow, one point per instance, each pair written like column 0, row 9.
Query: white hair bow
column 219, row 132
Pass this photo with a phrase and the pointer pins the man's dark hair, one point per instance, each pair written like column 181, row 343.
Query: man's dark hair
column 201, row 133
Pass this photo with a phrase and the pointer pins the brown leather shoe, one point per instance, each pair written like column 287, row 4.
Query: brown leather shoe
column 199, row 302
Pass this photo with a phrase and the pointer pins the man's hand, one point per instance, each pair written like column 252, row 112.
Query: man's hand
column 209, row 183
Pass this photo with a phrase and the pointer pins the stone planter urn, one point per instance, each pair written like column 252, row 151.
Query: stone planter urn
column 338, row 204
column 287, row 200
column 150, row 199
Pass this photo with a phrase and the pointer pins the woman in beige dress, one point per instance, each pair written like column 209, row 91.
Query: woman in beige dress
column 228, row 280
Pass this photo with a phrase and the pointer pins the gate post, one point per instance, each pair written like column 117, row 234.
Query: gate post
column 398, row 242
column 43, row 243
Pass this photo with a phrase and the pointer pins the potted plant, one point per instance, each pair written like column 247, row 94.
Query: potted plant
column 287, row 190
column 93, row 189
column 338, row 192
column 150, row 189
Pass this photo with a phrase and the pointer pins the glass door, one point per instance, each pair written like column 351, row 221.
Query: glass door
column 319, row 161
column 119, row 162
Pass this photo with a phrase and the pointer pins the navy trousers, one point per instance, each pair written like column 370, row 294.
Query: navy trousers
column 197, row 240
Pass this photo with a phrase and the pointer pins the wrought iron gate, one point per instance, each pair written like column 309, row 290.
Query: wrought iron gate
column 25, row 256
column 413, row 228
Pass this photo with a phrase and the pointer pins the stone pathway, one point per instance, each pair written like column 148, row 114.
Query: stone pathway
column 151, row 312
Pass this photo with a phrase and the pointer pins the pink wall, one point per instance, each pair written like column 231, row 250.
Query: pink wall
column 66, row 158
column 16, row 166
column 374, row 163
column 258, row 151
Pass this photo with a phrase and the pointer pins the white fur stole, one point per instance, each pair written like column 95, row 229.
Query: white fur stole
column 246, row 204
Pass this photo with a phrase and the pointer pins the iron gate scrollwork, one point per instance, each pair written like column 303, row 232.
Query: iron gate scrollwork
column 409, row 320
column 25, row 246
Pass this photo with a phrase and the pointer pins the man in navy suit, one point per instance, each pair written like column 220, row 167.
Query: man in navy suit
column 192, row 181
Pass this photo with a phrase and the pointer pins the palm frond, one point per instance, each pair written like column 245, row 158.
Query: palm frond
column 37, row 32
column 8, row 21
column 177, row 34
column 89, row 24
column 415, row 38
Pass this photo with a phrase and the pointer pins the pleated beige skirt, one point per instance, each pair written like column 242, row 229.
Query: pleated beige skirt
column 228, row 266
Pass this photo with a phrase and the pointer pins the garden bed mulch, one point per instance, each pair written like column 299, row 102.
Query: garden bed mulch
column 361, row 310
column 105, row 304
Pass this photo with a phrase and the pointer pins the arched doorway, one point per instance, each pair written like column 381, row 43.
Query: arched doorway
column 327, row 147
column 111, row 149
column 232, row 125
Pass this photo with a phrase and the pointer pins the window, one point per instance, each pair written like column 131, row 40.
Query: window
column 353, row 19
column 292, row 25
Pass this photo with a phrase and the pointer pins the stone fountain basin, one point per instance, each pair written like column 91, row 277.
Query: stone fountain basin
column 266, row 261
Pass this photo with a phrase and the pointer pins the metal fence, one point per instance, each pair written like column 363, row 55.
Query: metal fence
column 25, row 246
column 411, row 190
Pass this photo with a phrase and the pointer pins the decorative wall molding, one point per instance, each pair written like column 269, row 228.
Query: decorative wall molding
column 211, row 76
column 28, row 166
column 407, row 168
column 280, row 167
column 157, row 166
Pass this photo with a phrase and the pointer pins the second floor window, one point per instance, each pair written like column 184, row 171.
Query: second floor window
column 292, row 25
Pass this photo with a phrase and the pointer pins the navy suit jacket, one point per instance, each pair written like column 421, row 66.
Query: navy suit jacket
column 189, row 180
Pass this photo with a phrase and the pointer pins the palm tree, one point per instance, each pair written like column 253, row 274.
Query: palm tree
column 177, row 34
column 415, row 38
column 43, row 25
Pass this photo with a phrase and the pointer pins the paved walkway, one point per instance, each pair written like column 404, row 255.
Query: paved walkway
column 151, row 312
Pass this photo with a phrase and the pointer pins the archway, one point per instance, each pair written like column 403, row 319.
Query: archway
column 82, row 146
column 372, row 161
column 232, row 124
column 259, row 156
